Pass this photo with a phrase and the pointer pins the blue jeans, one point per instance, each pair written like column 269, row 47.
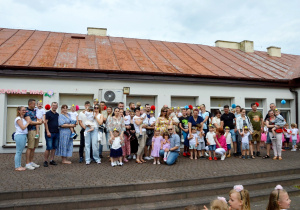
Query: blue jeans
column 238, row 143
column 91, row 138
column 233, row 135
column 186, row 141
column 52, row 142
column 20, row 140
column 171, row 158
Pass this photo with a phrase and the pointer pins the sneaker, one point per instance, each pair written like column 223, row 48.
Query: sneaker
column 184, row 154
column 99, row 162
column 188, row 154
column 87, row 163
column 52, row 162
column 73, row 135
column 37, row 136
column 165, row 159
column 248, row 157
column 81, row 160
column 215, row 158
column 35, row 165
column 129, row 157
column 46, row 164
column 202, row 157
column 210, row 158
column 134, row 157
column 158, row 163
column 243, row 157
column 29, row 167
column 120, row 164
column 223, row 157
column 293, row 150
column 154, row 163
column 147, row 158
column 228, row 155
column 113, row 164
column 206, row 154
column 151, row 157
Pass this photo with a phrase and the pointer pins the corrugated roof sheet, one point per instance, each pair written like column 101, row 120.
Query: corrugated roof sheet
column 59, row 51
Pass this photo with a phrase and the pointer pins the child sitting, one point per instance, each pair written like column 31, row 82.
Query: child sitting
column 279, row 123
column 239, row 198
column 90, row 122
column 193, row 141
column 294, row 132
column 245, row 142
column 116, row 149
column 211, row 142
column 157, row 145
column 166, row 145
column 201, row 142
column 74, row 120
column 279, row 199
column 220, row 204
column 40, row 114
column 228, row 140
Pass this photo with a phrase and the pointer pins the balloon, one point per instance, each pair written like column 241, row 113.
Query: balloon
column 186, row 107
column 105, row 107
column 257, row 104
column 283, row 102
column 190, row 106
column 152, row 108
column 233, row 106
column 47, row 106
column 77, row 107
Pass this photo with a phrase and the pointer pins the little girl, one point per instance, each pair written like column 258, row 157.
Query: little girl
column 40, row 114
column 220, row 203
column 239, row 198
column 193, row 141
column 157, row 145
column 90, row 122
column 116, row 149
column 74, row 120
column 166, row 145
column 228, row 140
column 294, row 132
column 201, row 142
column 279, row 199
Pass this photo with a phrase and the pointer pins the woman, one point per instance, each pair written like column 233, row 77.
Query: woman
column 20, row 136
column 216, row 121
column 205, row 115
column 65, row 145
column 195, row 119
column 241, row 122
column 99, row 122
column 221, row 143
column 115, row 122
column 107, row 134
column 163, row 121
column 276, row 143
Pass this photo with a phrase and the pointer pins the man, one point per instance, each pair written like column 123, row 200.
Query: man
column 33, row 142
column 121, row 107
column 51, row 134
column 257, row 122
column 174, row 147
column 228, row 119
column 148, row 109
column 184, row 126
column 150, row 133
column 268, row 142
column 81, row 120
column 131, row 106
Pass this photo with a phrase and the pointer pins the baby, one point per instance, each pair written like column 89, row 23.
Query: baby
column 90, row 122
column 279, row 122
column 74, row 120
column 40, row 114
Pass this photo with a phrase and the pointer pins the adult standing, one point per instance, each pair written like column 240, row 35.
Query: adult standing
column 205, row 115
column 174, row 147
column 268, row 142
column 51, row 134
column 237, row 134
column 163, row 121
column 33, row 142
column 257, row 122
column 65, row 145
column 137, row 122
column 20, row 137
column 216, row 121
column 228, row 119
column 195, row 119
column 103, row 130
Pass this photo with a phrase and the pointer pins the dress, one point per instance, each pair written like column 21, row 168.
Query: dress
column 167, row 145
column 65, row 145
column 156, row 146
column 162, row 124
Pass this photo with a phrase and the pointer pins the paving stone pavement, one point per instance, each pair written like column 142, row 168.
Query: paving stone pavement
column 81, row 175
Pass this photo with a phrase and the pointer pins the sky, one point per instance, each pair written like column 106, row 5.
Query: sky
column 266, row 22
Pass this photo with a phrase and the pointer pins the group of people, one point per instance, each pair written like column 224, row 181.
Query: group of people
column 135, row 133
column 239, row 199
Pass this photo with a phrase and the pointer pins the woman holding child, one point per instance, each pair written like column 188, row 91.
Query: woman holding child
column 163, row 121
column 195, row 119
column 115, row 122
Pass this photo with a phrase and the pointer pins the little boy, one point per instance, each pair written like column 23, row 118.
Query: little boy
column 193, row 143
column 201, row 145
column 127, row 117
column 152, row 119
column 178, row 113
column 287, row 135
column 294, row 136
column 40, row 114
column 279, row 122
column 211, row 142
column 74, row 120
column 245, row 143
column 228, row 140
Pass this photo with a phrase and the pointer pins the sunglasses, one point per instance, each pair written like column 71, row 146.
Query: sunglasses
column 96, row 107
column 165, row 111
column 170, row 129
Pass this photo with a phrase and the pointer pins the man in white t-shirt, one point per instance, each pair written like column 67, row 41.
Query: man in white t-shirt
column 137, row 122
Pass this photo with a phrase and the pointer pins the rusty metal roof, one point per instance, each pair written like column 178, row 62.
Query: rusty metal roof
column 80, row 52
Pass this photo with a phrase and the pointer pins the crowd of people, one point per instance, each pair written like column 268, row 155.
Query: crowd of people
column 134, row 133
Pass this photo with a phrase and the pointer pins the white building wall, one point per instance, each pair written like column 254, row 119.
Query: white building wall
column 162, row 92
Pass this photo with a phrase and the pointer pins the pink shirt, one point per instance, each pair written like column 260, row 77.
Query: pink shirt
column 222, row 142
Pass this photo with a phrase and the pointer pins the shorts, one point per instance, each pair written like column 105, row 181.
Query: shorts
column 294, row 142
column 116, row 152
column 201, row 146
column 32, row 141
column 287, row 139
column 233, row 135
column 256, row 136
column 149, row 140
column 228, row 146
column 245, row 146
column 52, row 142
column 193, row 146
column 211, row 147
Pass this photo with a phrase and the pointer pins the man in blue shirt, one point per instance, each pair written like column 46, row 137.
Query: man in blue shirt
column 174, row 147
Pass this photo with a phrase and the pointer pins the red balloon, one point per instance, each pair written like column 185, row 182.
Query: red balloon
column 105, row 107
column 152, row 108
column 190, row 106
column 257, row 104
column 47, row 106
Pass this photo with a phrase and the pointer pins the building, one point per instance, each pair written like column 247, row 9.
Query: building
column 79, row 67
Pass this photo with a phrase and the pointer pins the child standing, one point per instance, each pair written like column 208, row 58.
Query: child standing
column 245, row 143
column 239, row 198
column 90, row 122
column 228, row 140
column 166, row 145
column 211, row 142
column 279, row 122
column 157, row 145
column 287, row 135
column 193, row 141
column 116, row 149
column 279, row 199
column 40, row 114
column 201, row 142
column 74, row 120
column 294, row 136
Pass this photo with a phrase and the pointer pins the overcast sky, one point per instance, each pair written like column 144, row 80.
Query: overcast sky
column 266, row 22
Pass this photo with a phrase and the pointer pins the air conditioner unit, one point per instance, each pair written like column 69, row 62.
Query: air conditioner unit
column 112, row 96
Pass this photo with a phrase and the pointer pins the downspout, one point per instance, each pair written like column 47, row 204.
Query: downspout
column 296, row 103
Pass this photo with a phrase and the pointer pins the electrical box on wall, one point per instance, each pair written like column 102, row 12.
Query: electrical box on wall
column 112, row 96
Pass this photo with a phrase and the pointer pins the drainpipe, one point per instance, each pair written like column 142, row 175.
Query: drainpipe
column 296, row 103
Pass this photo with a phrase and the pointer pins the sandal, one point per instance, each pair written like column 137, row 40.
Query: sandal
column 143, row 161
column 20, row 169
column 139, row 162
column 280, row 158
column 253, row 157
column 274, row 158
column 265, row 157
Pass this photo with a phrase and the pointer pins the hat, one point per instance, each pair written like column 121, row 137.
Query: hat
column 151, row 112
column 246, row 128
column 227, row 128
column 210, row 125
column 116, row 130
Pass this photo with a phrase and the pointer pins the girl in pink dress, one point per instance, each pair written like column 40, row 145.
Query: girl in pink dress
column 157, row 145
column 166, row 145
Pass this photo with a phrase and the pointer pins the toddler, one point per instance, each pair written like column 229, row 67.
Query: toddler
column 74, row 120
column 220, row 203
column 287, row 135
column 211, row 142
column 245, row 143
column 193, row 141
column 127, row 117
column 116, row 149
column 228, row 140
column 40, row 114
column 152, row 119
column 294, row 132
column 178, row 113
column 263, row 137
column 201, row 142
column 279, row 122
column 157, row 145
column 166, row 145
column 144, row 119
column 279, row 199
column 239, row 198
column 90, row 122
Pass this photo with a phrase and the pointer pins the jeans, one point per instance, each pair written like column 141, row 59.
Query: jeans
column 171, row 158
column 81, row 147
column 91, row 139
column 233, row 135
column 20, row 145
column 52, row 142
column 238, row 139
column 107, row 137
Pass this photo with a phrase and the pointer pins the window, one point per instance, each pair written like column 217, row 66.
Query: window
column 218, row 104
column 285, row 109
column 13, row 101
column 249, row 101
column 182, row 101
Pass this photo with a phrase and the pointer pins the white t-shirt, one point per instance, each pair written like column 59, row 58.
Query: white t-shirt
column 98, row 117
column 127, row 119
column 116, row 143
column 287, row 133
column 18, row 128
column 200, row 139
column 228, row 138
column 210, row 138
column 73, row 115
column 40, row 113
column 152, row 120
column 216, row 120
column 193, row 140
column 137, row 127
column 82, row 117
column 294, row 131
column 245, row 138
column 145, row 118
column 179, row 114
